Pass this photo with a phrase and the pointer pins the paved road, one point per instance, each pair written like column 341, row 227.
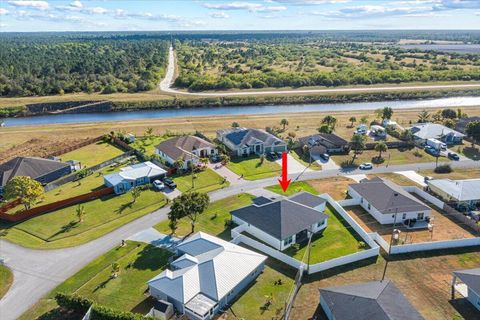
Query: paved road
column 36, row 272
column 166, row 86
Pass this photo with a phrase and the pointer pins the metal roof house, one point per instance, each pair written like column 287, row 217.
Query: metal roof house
column 246, row 141
column 424, row 131
column 283, row 222
column 469, row 285
column 462, row 192
column 384, row 199
column 208, row 274
column 39, row 169
column 376, row 300
column 133, row 176
column 188, row 148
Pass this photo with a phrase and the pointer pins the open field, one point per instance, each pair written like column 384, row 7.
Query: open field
column 138, row 262
column 456, row 174
column 424, row 278
column 395, row 178
column 93, row 154
column 293, row 188
column 62, row 228
column 6, row 279
column 336, row 187
column 204, row 181
column 252, row 169
column 212, row 221
column 337, row 240
column 37, row 140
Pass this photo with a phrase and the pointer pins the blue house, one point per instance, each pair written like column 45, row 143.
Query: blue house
column 132, row 176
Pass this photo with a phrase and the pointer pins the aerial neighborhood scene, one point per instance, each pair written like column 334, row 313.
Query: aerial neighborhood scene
column 254, row 159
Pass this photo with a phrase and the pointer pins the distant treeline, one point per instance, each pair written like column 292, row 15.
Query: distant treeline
column 48, row 65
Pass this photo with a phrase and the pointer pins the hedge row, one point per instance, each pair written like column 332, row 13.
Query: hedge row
column 81, row 305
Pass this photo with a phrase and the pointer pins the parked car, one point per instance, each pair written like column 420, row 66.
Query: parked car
column 443, row 146
column 158, row 185
column 279, row 155
column 215, row 158
column 324, row 156
column 366, row 166
column 453, row 156
column 169, row 183
column 432, row 151
column 272, row 156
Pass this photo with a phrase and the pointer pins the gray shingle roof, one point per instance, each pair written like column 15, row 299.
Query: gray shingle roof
column 246, row 137
column 183, row 146
column 281, row 218
column 387, row 196
column 376, row 300
column 325, row 139
column 470, row 277
column 307, row 199
column 28, row 166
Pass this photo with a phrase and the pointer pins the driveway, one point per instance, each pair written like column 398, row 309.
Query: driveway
column 293, row 165
column 171, row 194
column 155, row 238
column 223, row 171
column 327, row 165
column 357, row 177
column 414, row 176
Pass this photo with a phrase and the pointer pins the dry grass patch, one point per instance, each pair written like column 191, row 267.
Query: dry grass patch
column 336, row 187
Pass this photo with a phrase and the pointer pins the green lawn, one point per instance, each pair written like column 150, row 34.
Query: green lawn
column 251, row 169
column 468, row 151
column 305, row 160
column 61, row 228
column 138, row 262
column 337, row 240
column 6, row 279
column 205, row 181
column 93, row 154
column 293, row 188
column 147, row 145
column 212, row 221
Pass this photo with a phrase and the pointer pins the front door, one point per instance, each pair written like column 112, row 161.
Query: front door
column 420, row 216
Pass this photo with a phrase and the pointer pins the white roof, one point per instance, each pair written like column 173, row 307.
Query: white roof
column 462, row 190
column 433, row 130
column 139, row 170
column 210, row 266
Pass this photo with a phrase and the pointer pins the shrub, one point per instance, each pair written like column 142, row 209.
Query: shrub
column 73, row 302
column 444, row 168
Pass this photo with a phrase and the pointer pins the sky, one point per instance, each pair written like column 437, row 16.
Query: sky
column 167, row 15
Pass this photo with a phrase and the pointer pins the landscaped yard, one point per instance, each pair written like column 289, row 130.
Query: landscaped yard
column 337, row 240
column 147, row 144
column 62, row 228
column 251, row 168
column 6, row 279
column 93, row 154
column 138, row 262
column 391, row 157
column 205, row 181
column 212, row 221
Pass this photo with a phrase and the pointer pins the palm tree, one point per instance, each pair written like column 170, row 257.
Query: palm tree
column 135, row 194
column 235, row 124
column 80, row 211
column 284, row 122
column 423, row 116
column 364, row 119
column 381, row 147
column 204, row 161
column 352, row 120
column 357, row 144
column 331, row 121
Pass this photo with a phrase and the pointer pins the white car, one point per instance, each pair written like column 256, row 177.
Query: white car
column 366, row 166
column 159, row 185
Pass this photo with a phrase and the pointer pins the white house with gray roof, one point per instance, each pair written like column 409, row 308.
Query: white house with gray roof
column 133, row 176
column 208, row 274
column 424, row 131
column 468, row 286
column 376, row 300
column 461, row 192
column 247, row 141
column 384, row 199
column 283, row 222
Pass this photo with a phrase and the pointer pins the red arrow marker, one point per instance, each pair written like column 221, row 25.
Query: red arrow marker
column 284, row 182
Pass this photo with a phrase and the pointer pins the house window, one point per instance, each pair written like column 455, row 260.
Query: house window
column 288, row 241
column 368, row 206
column 320, row 223
column 420, row 216
column 404, row 216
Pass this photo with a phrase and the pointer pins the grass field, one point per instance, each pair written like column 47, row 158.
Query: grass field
column 62, row 228
column 93, row 154
column 252, row 169
column 456, row 174
column 205, row 181
column 293, row 188
column 212, row 221
column 6, row 279
column 138, row 262
column 147, row 144
column 337, row 240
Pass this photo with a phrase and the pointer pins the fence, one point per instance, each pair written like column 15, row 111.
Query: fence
column 435, row 201
column 340, row 261
column 74, row 147
column 349, row 202
column 10, row 205
column 27, row 214
column 435, row 245
column 461, row 218
column 390, row 145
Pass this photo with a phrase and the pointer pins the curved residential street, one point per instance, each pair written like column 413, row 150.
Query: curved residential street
column 36, row 272
column 167, row 82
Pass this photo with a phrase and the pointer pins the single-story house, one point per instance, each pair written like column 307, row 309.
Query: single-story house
column 208, row 274
column 378, row 131
column 376, row 300
column 330, row 142
column 469, row 287
column 133, row 176
column 383, row 199
column 246, row 141
column 461, row 192
column 189, row 148
column 462, row 123
column 285, row 221
column 424, row 131
column 39, row 169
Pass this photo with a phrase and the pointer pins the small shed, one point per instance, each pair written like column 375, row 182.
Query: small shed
column 161, row 310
